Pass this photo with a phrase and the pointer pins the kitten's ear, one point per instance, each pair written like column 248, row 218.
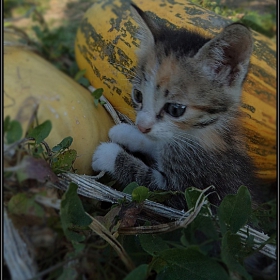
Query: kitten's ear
column 226, row 57
column 147, row 28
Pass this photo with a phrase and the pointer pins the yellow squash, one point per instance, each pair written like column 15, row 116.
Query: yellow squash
column 105, row 46
column 31, row 81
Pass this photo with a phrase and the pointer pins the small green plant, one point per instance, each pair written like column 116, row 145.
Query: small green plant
column 97, row 93
column 57, row 46
column 60, row 157
column 208, row 248
column 79, row 77
column 264, row 23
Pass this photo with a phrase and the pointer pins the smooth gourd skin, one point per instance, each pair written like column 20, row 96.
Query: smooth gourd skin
column 106, row 43
column 31, row 81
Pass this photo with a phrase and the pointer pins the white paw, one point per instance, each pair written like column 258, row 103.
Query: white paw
column 131, row 138
column 105, row 156
column 121, row 133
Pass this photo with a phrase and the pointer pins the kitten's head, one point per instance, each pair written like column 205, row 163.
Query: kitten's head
column 186, row 83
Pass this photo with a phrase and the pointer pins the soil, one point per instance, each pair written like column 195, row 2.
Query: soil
column 261, row 6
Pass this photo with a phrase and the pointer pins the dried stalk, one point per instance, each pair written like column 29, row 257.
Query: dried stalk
column 89, row 187
column 183, row 222
column 104, row 233
column 16, row 255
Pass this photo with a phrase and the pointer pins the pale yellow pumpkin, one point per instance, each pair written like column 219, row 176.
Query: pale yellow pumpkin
column 29, row 80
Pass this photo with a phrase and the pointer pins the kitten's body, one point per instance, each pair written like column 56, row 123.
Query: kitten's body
column 187, row 95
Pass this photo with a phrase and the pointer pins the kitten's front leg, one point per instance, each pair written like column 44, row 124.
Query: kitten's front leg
column 131, row 138
column 104, row 157
column 126, row 168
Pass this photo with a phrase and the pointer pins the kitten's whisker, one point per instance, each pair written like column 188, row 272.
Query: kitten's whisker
column 186, row 147
column 187, row 144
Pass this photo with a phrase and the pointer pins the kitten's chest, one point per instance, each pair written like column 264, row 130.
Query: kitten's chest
column 182, row 159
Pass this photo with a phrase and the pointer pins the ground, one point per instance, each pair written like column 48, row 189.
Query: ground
column 57, row 11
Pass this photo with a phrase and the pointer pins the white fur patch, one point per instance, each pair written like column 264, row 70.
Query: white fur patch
column 159, row 179
column 130, row 137
column 104, row 157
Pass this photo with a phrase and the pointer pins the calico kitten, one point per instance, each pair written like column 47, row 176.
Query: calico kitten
column 187, row 93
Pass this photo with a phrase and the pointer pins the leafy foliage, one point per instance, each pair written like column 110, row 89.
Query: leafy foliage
column 235, row 210
column 22, row 204
column 79, row 77
column 264, row 23
column 139, row 273
column 60, row 157
column 187, row 263
column 57, row 45
column 13, row 130
column 40, row 132
column 231, row 254
column 72, row 214
column 97, row 93
column 207, row 249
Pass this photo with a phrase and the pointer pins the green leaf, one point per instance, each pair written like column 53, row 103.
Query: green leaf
column 203, row 223
column 64, row 161
column 187, row 264
column 130, row 187
column 80, row 74
column 161, row 196
column 40, row 132
column 235, row 210
column 102, row 102
column 34, row 168
column 72, row 214
column 84, row 82
column 139, row 194
column 231, row 252
column 37, row 31
column 79, row 247
column 13, row 131
column 97, row 93
column 152, row 244
column 79, row 77
column 64, row 144
column 7, row 123
column 202, row 227
column 265, row 217
column 68, row 273
column 21, row 204
column 191, row 195
column 96, row 102
column 38, row 150
column 139, row 273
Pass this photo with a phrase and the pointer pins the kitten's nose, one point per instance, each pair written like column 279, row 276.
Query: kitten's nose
column 144, row 129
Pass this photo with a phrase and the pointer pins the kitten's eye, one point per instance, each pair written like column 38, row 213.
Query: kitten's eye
column 175, row 110
column 138, row 97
